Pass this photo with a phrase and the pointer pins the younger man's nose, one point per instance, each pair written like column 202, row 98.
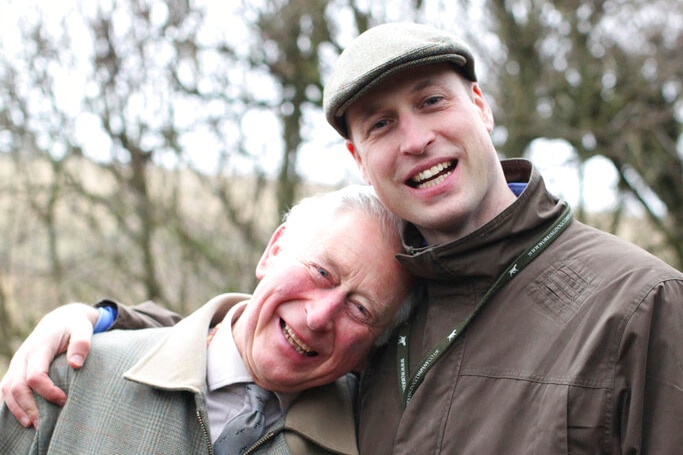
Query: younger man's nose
column 415, row 136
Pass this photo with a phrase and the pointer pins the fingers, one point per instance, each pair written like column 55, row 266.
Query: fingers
column 75, row 340
column 16, row 393
column 29, row 371
column 27, row 417
column 68, row 328
column 37, row 379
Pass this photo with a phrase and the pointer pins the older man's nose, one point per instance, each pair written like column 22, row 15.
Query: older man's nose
column 322, row 312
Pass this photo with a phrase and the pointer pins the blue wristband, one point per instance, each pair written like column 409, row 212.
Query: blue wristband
column 105, row 319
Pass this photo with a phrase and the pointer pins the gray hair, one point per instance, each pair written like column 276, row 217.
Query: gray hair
column 402, row 314
column 315, row 212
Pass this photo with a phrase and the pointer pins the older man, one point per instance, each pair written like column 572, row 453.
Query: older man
column 329, row 287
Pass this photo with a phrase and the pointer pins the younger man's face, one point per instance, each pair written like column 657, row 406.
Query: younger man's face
column 422, row 139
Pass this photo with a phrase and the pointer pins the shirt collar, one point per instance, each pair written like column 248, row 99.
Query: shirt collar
column 224, row 364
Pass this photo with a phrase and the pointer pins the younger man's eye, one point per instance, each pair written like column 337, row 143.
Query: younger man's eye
column 432, row 100
column 379, row 124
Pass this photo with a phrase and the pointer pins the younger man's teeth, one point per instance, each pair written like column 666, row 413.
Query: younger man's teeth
column 431, row 172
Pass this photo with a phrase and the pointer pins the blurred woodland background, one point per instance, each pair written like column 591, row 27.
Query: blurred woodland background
column 148, row 148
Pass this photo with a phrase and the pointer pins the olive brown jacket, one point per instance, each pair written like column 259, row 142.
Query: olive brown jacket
column 580, row 353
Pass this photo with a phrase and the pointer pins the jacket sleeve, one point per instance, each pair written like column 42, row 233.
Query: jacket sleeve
column 143, row 315
column 650, row 373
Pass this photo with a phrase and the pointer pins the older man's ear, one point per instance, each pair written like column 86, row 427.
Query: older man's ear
column 271, row 251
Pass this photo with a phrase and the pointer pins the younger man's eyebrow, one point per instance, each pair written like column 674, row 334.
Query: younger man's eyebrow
column 426, row 82
column 371, row 106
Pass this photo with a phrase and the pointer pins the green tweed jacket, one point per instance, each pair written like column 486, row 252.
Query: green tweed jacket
column 143, row 392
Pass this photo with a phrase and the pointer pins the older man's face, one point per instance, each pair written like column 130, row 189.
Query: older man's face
column 316, row 312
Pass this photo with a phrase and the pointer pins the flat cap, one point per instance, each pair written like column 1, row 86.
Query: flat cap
column 383, row 51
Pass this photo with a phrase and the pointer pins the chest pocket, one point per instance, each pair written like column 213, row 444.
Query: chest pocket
column 520, row 416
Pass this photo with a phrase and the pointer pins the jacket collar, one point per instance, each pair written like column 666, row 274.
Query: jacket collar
column 178, row 361
column 484, row 253
column 325, row 415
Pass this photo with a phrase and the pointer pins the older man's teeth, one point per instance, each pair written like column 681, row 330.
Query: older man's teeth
column 298, row 345
column 432, row 176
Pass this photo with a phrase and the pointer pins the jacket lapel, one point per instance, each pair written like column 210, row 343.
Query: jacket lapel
column 178, row 361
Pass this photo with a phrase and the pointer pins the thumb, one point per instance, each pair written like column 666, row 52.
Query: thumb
column 79, row 344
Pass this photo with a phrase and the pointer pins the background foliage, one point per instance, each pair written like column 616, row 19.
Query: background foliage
column 148, row 148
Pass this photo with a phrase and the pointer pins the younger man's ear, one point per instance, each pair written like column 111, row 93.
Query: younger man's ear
column 357, row 158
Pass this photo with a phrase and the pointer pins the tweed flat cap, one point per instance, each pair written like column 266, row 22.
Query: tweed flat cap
column 383, row 51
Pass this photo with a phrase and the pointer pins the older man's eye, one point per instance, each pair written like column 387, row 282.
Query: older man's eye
column 323, row 272
column 322, row 275
column 360, row 312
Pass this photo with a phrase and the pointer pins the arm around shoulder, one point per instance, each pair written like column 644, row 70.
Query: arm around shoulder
column 144, row 315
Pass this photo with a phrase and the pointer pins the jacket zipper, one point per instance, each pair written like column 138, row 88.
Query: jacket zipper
column 264, row 439
column 207, row 438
